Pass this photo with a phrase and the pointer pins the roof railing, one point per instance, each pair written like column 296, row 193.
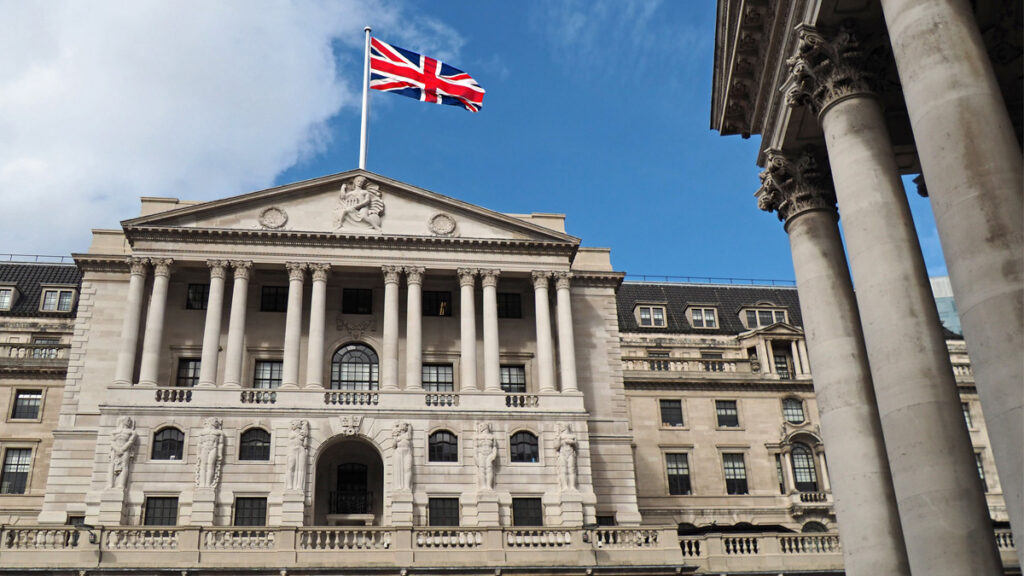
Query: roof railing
column 708, row 280
column 36, row 259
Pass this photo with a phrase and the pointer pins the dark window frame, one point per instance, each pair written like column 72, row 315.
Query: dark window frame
column 273, row 298
column 187, row 375
column 15, row 470
column 726, row 416
column 443, row 511
column 677, row 469
column 357, row 301
column 276, row 372
column 805, row 470
column 527, row 512
column 197, row 296
column 352, row 375
column 524, row 447
column 737, row 484
column 437, row 303
column 29, row 410
column 157, row 511
column 669, row 409
column 438, row 377
column 511, row 384
column 510, row 305
column 168, row 444
column 790, row 406
column 254, row 445
column 443, row 446
column 250, row 511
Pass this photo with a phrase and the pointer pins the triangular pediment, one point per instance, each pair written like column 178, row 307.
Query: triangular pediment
column 356, row 203
column 777, row 329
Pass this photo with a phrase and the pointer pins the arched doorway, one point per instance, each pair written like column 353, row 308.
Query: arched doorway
column 349, row 488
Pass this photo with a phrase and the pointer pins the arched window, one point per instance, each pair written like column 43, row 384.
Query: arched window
column 444, row 447
column 254, row 445
column 355, row 367
column 793, row 410
column 814, row 527
column 168, row 444
column 524, row 447
column 803, row 469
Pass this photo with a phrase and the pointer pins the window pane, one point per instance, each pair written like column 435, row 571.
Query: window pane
column 26, row 404
column 168, row 444
column 437, row 303
column 764, row 317
column 443, row 512
column 709, row 318
column 778, row 470
column 803, row 469
column 254, row 445
column 659, row 315
column 274, row 299
column 735, row 474
column 780, row 316
column 357, row 301
column 671, row 412
column 443, row 447
column 438, row 378
column 981, row 470
column 267, row 375
column 250, row 511
column 751, row 319
column 50, row 300
column 527, row 512
column 793, row 410
column 728, row 415
column 966, row 407
column 197, row 297
column 678, row 468
column 510, row 305
column 513, row 379
column 188, row 373
column 698, row 318
column 14, row 475
column 161, row 512
column 524, row 447
column 66, row 296
column 782, row 365
column 355, row 367
column 645, row 316
column 6, row 296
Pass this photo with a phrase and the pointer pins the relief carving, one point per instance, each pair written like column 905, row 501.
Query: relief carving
column 122, row 452
column 826, row 70
column 566, row 458
column 273, row 218
column 360, row 204
column 401, row 461
column 486, row 456
column 793, row 184
column 350, row 425
column 298, row 445
column 211, row 454
column 442, row 225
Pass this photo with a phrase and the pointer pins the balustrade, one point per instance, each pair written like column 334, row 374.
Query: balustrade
column 538, row 538
column 43, row 353
column 622, row 538
column 41, row 539
column 351, row 398
column 344, row 539
column 647, row 364
column 441, row 399
column 448, row 538
column 173, row 395
column 258, row 397
column 522, row 400
column 237, row 539
column 813, row 497
column 141, row 539
column 1004, row 540
column 740, row 545
column 690, row 547
column 810, row 544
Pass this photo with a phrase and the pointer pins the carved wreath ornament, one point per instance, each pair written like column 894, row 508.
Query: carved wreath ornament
column 442, row 224
column 273, row 218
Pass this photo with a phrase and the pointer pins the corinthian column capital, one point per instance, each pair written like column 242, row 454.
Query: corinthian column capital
column 467, row 276
column 793, row 184
column 392, row 274
column 489, row 277
column 414, row 274
column 217, row 268
column 161, row 266
column 137, row 265
column 562, row 280
column 827, row 69
column 296, row 270
column 320, row 271
column 540, row 278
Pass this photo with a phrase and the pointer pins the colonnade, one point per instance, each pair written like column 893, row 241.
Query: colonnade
column 152, row 347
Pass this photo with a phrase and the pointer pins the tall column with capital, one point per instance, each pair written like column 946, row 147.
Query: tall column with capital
column 492, row 351
column 972, row 165
column 236, row 324
column 152, row 342
column 130, row 327
column 795, row 352
column 317, row 321
column 293, row 325
column 414, row 327
column 566, row 341
column 545, row 348
column 788, row 484
column 389, row 360
column 794, row 187
column 819, row 451
column 467, row 334
column 211, row 332
column 945, row 519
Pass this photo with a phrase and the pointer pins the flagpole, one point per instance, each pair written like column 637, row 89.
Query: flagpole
column 366, row 100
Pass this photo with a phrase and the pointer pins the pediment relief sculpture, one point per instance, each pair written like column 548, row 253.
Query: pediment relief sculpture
column 360, row 205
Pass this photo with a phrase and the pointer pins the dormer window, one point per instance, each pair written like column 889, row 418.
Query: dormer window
column 651, row 316
column 57, row 299
column 703, row 318
column 761, row 317
column 7, row 295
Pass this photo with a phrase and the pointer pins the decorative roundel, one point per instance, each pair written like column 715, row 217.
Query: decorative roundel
column 442, row 225
column 273, row 218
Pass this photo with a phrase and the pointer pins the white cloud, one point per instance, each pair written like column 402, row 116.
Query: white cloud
column 101, row 103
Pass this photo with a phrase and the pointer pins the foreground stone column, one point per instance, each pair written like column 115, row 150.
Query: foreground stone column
column 236, row 324
column 293, row 325
column 414, row 327
column 152, row 343
column 467, row 334
column 545, row 347
column 943, row 512
column 492, row 351
column 389, row 360
column 566, row 340
column 863, row 493
column 972, row 166
column 130, row 327
column 317, row 321
column 211, row 332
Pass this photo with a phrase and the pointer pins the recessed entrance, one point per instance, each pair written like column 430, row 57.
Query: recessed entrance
column 349, row 484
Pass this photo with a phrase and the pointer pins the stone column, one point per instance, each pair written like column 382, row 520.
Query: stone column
column 293, row 325
column 864, row 499
column 972, row 166
column 236, row 325
column 769, row 351
column 467, row 313
column 804, row 365
column 766, row 365
column 795, row 351
column 130, row 327
column 414, row 327
column 389, row 359
column 317, row 320
column 492, row 351
column 787, row 470
column 211, row 332
column 545, row 348
column 819, row 451
column 944, row 515
column 152, row 342
column 566, row 340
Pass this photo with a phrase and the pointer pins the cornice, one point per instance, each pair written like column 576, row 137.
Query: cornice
column 718, row 385
column 598, row 279
column 101, row 262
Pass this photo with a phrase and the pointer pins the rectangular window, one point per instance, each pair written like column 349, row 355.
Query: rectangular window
column 728, row 415
column 659, row 360
column 6, row 298
column 527, row 512
column 160, row 511
column 188, row 373
column 14, row 474
column 782, row 365
column 765, row 317
column 606, row 520
column 438, row 378
column 55, row 300
column 513, row 379
column 652, row 316
column 76, row 520
column 778, row 470
column 751, row 318
column 443, row 512
column 704, row 318
column 678, row 469
column 357, row 301
column 250, row 511
column 780, row 316
column 437, row 303
column 671, row 412
column 981, row 470
column 26, row 404
column 45, row 352
column 735, row 474
column 197, row 296
column 966, row 407
column 274, row 299
column 510, row 305
column 267, row 375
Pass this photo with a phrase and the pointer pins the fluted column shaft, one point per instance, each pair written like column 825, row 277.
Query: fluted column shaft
column 389, row 361
column 211, row 331
column 293, row 326
column 152, row 343
column 130, row 327
column 467, row 318
column 545, row 346
column 317, row 321
column 566, row 339
column 414, row 327
column 492, row 350
column 236, row 324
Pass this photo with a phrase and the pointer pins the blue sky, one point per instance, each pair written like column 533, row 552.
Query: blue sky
column 597, row 109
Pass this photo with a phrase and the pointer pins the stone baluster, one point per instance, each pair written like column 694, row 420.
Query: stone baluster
column 211, row 331
column 125, row 369
column 317, row 322
column 152, row 342
column 467, row 317
column 389, row 361
column 236, row 324
column 545, row 349
column 566, row 339
column 492, row 349
column 293, row 325
column 414, row 327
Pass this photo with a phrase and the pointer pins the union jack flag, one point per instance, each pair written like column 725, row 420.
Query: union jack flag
column 394, row 69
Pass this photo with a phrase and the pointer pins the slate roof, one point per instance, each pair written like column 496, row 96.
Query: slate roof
column 29, row 277
column 728, row 299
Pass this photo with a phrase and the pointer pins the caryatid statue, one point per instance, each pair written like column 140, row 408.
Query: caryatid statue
column 211, row 453
column 566, row 458
column 486, row 456
column 122, row 452
column 298, row 445
column 401, row 463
